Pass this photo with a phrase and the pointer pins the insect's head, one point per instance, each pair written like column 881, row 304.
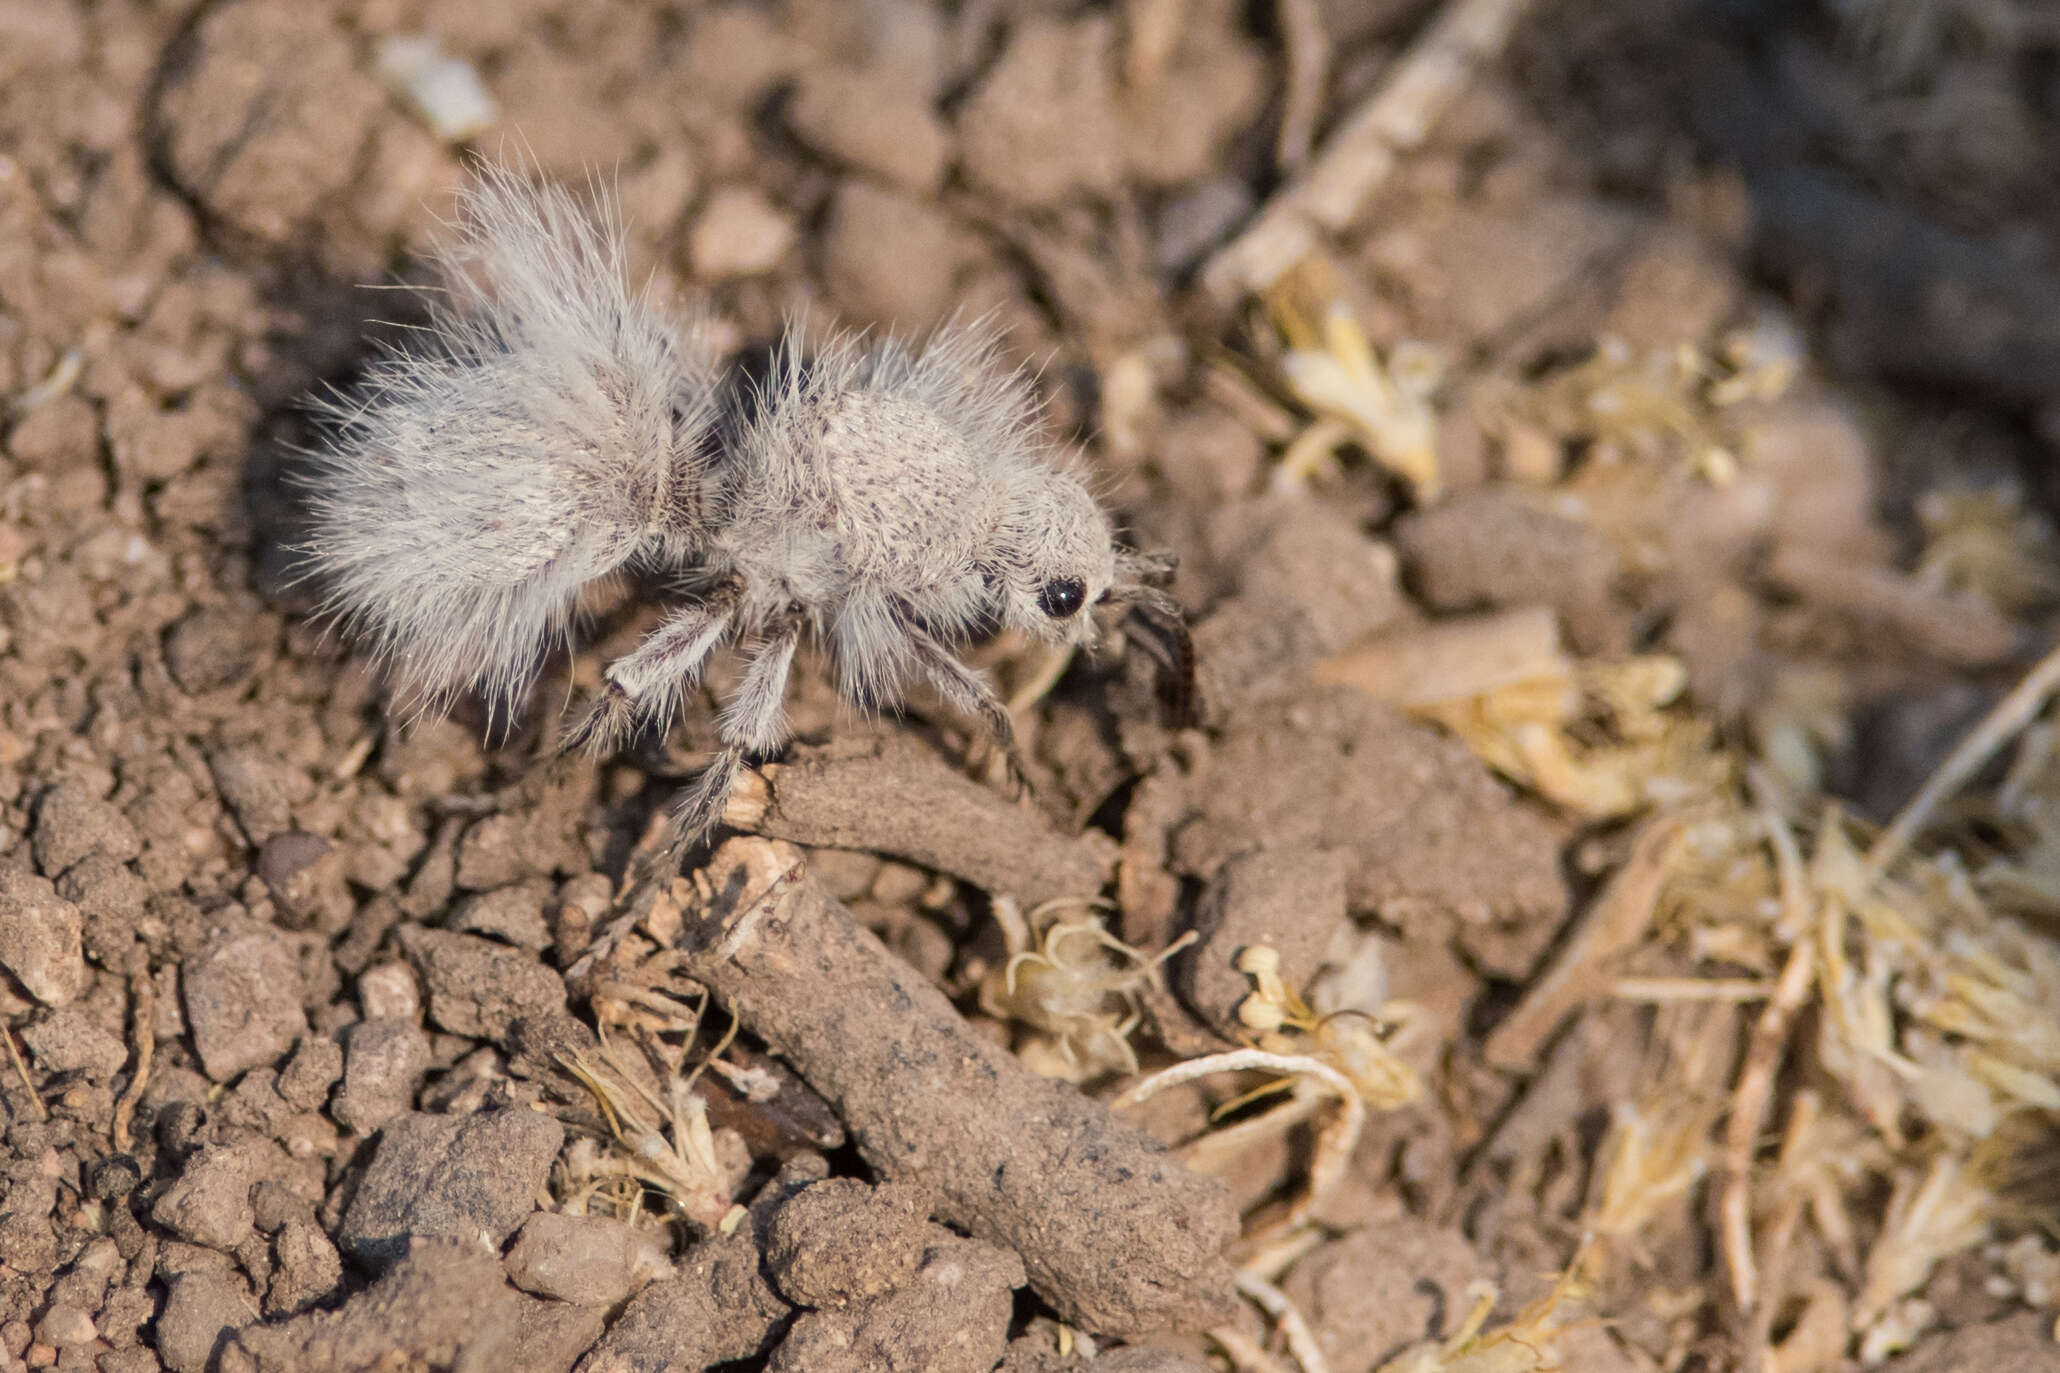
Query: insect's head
column 1063, row 579
column 1057, row 559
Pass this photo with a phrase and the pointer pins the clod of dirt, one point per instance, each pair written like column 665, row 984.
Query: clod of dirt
column 60, row 434
column 736, row 53
column 276, row 1206
column 158, row 445
column 64, row 1326
column 1307, row 584
column 592, row 1260
column 112, row 898
column 953, row 1317
column 514, row 914
column 265, row 117
column 2022, row 1344
column 551, row 1335
column 259, row 787
column 210, row 1203
column 1674, row 284
column 497, row 850
column 890, row 794
column 41, row 937
column 1139, row 1359
column 306, row 1078
column 841, row 1240
column 1493, row 548
column 73, row 821
column 70, row 1040
column 1816, row 452
column 1291, row 899
column 113, row 1177
column 389, row 991
column 1113, row 1232
column 306, row 1271
column 1430, row 836
column 243, row 1000
column 1198, row 95
column 383, row 1066
column 474, row 1177
column 870, row 235
column 739, row 233
column 872, row 125
column 1543, row 249
column 478, row 988
column 442, row 1297
column 1044, row 122
column 718, row 1309
column 1377, row 1290
column 305, row 875
column 210, row 649
column 1208, row 458
column 202, row 1312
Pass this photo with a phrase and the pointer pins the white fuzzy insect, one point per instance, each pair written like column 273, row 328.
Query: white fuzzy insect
column 894, row 502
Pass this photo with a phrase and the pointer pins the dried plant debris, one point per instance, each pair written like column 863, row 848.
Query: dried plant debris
column 1383, row 405
column 1074, row 986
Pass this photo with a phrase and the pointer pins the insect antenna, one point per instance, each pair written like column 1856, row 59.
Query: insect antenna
column 1153, row 620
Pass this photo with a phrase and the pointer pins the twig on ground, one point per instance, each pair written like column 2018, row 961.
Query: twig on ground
column 1773, row 1254
column 1959, row 632
column 142, row 1022
column 1308, row 50
column 1294, row 1330
column 1114, row 1233
column 1662, row 989
column 2009, row 718
column 1613, row 925
column 1763, row 1056
column 22, row 1070
column 893, row 796
column 1245, row 1354
column 1364, row 151
column 1334, row 1144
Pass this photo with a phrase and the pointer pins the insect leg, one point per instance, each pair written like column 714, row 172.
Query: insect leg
column 753, row 722
column 646, row 683
column 1153, row 621
column 970, row 693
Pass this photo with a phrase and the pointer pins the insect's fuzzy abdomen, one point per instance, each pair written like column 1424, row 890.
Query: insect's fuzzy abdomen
column 536, row 440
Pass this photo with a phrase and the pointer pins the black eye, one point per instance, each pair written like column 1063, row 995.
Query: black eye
column 1061, row 598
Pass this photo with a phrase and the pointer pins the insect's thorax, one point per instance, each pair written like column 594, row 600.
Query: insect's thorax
column 893, row 506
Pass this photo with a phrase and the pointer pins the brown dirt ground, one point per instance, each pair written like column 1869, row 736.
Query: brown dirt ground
column 333, row 1045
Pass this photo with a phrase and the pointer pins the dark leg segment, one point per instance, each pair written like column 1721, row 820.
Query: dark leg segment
column 967, row 692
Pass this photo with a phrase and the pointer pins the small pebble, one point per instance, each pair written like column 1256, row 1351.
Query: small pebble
column 66, row 1327
column 389, row 991
column 243, row 1001
column 41, row 937
column 739, row 233
column 474, row 1178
